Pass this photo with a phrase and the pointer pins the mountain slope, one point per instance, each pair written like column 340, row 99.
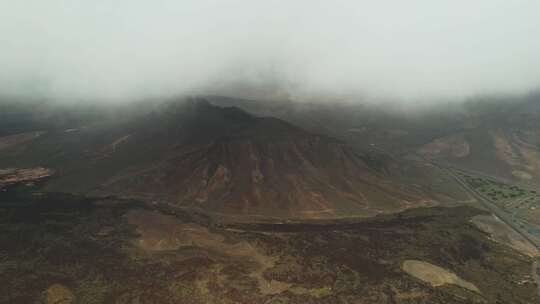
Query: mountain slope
column 498, row 139
column 221, row 160
column 491, row 135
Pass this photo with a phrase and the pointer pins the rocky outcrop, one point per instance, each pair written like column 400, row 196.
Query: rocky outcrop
column 12, row 176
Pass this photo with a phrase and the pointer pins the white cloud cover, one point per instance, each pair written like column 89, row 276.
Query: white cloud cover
column 415, row 49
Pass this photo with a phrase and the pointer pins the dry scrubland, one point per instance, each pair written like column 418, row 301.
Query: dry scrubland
column 82, row 250
column 501, row 232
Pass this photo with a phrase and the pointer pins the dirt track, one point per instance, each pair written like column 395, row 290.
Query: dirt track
column 535, row 275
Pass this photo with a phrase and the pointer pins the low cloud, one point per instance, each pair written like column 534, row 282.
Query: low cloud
column 406, row 50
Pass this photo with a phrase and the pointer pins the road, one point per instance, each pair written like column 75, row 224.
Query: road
column 495, row 178
column 503, row 215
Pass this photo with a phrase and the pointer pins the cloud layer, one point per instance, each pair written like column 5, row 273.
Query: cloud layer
column 414, row 49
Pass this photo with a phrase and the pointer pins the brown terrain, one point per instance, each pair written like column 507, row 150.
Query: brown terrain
column 222, row 161
column 452, row 146
column 505, row 153
column 498, row 139
column 502, row 233
column 267, row 168
column 13, row 176
column 11, row 141
column 435, row 275
column 195, row 203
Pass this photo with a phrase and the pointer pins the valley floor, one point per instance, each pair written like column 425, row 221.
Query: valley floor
column 57, row 248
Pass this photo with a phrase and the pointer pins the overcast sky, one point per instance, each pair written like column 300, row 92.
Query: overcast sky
column 415, row 49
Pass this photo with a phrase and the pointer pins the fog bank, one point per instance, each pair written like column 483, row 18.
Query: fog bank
column 404, row 50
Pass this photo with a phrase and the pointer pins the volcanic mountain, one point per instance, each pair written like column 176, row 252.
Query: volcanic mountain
column 497, row 136
column 221, row 160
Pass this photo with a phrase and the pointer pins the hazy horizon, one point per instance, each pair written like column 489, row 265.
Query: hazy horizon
column 412, row 51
